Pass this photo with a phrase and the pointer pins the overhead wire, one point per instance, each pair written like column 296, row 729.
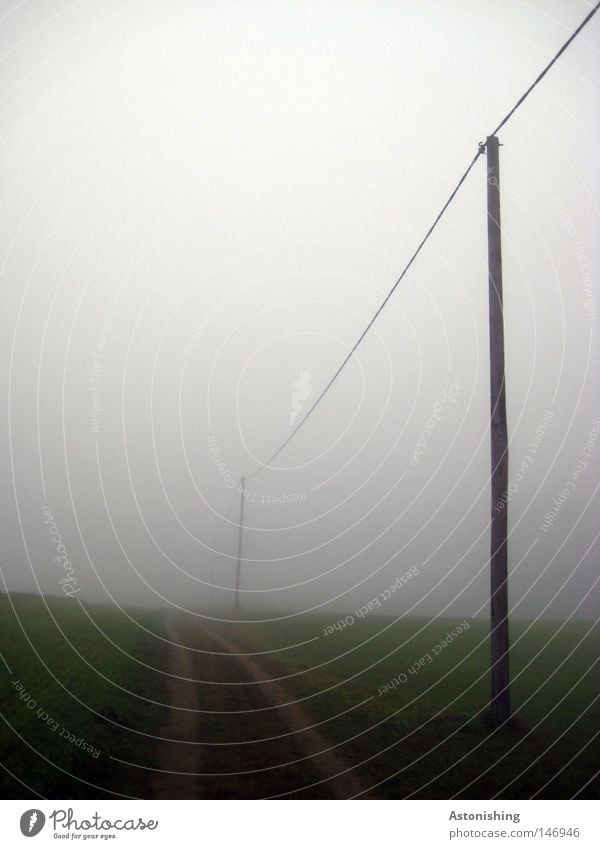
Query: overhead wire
column 543, row 73
column 454, row 192
column 374, row 318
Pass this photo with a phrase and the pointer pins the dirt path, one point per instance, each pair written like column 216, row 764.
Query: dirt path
column 183, row 725
column 340, row 779
column 243, row 726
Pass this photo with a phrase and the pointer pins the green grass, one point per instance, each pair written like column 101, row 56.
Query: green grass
column 428, row 737
column 78, row 684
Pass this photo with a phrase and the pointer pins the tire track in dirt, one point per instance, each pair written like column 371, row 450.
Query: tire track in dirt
column 337, row 777
column 182, row 725
column 243, row 711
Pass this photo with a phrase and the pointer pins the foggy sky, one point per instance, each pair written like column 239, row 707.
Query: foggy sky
column 203, row 201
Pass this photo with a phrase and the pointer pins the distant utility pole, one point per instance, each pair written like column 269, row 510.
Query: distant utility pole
column 240, row 540
column 500, row 697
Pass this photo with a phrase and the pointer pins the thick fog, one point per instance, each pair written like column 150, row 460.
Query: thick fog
column 203, row 204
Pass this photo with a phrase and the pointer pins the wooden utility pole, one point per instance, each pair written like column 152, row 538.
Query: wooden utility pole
column 240, row 539
column 500, row 697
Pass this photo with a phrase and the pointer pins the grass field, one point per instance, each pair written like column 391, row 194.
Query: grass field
column 83, row 684
column 66, row 720
column 427, row 736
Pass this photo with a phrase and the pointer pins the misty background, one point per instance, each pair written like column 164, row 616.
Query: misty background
column 203, row 204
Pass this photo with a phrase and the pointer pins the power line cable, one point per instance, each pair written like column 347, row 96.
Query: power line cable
column 373, row 319
column 437, row 219
column 541, row 76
